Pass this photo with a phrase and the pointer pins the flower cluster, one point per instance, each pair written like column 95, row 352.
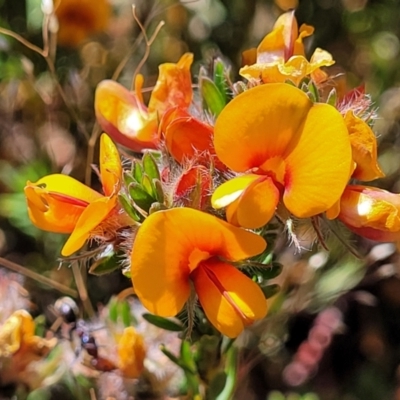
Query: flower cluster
column 213, row 168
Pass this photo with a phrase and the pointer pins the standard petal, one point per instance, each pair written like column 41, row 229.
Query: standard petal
column 173, row 87
column 124, row 117
column 171, row 243
column 94, row 214
column 231, row 300
column 259, row 124
column 318, row 163
column 56, row 202
column 110, row 165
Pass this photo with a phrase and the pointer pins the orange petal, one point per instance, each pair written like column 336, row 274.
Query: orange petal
column 257, row 205
column 56, row 202
column 171, row 243
column 94, row 214
column 318, row 163
column 173, row 87
column 298, row 46
column 110, row 166
column 124, row 117
column 259, row 124
column 193, row 187
column 231, row 300
column 188, row 137
column 364, row 147
column 231, row 190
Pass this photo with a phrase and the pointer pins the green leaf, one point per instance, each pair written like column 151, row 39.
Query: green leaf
column 148, row 185
column 332, row 98
column 150, row 166
column 105, row 265
column 128, row 208
column 220, row 78
column 158, row 190
column 140, row 196
column 137, row 171
column 212, row 97
column 124, row 311
column 270, row 290
column 164, row 323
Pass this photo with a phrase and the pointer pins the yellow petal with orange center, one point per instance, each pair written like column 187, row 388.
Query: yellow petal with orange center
column 231, row 300
column 110, row 166
column 318, row 163
column 169, row 244
column 94, row 214
column 173, row 87
column 56, row 202
column 364, row 147
column 259, row 124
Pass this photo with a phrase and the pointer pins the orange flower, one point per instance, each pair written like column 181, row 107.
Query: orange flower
column 59, row 203
column 371, row 212
column 290, row 147
column 280, row 56
column 131, row 353
column 79, row 19
column 125, row 117
column 181, row 247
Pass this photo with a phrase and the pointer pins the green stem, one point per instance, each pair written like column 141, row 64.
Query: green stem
column 231, row 370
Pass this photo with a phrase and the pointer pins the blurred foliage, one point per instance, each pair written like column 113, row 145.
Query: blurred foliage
column 47, row 125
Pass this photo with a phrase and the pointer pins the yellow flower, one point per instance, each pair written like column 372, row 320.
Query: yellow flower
column 281, row 56
column 290, row 148
column 181, row 248
column 59, row 203
column 79, row 19
column 131, row 353
column 19, row 347
column 371, row 212
column 123, row 114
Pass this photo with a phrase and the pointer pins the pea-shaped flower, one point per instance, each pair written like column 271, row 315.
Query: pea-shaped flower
column 181, row 248
column 288, row 147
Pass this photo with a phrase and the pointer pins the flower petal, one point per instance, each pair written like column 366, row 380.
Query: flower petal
column 94, row 214
column 257, row 204
column 56, row 202
column 110, row 166
column 231, row 190
column 364, row 147
column 124, row 117
column 231, row 300
column 318, row 163
column 187, row 137
column 259, row 124
column 170, row 243
column 173, row 87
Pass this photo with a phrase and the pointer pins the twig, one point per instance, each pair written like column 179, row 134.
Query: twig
column 40, row 278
